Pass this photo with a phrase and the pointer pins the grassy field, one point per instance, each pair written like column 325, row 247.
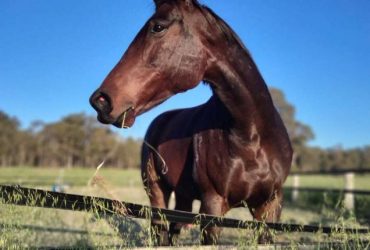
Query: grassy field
column 71, row 176
column 126, row 185
column 123, row 178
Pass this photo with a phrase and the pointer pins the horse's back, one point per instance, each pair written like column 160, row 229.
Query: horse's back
column 184, row 123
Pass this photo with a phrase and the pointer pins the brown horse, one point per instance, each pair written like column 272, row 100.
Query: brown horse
column 232, row 150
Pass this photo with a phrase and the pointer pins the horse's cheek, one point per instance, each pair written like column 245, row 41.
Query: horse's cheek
column 158, row 59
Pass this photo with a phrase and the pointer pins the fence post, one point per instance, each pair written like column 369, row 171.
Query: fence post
column 349, row 199
column 295, row 192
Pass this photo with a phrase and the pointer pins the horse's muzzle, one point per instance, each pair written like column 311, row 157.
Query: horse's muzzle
column 101, row 102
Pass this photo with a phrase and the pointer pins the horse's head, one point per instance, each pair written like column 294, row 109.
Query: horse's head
column 167, row 56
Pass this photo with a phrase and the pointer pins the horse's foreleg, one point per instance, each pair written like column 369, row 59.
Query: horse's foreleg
column 212, row 204
column 159, row 228
column 269, row 212
column 159, row 196
column 182, row 204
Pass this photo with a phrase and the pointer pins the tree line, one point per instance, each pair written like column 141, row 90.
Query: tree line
column 79, row 140
column 316, row 158
column 75, row 140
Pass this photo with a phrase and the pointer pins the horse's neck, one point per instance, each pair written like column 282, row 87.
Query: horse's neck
column 239, row 85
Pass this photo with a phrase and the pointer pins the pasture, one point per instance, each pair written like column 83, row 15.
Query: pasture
column 92, row 231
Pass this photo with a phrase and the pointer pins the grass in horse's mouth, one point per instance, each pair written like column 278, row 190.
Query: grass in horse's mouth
column 123, row 120
column 124, row 117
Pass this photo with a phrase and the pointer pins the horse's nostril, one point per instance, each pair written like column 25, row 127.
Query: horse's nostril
column 101, row 102
column 102, row 99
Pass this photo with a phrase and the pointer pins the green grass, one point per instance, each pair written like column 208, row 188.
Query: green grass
column 126, row 185
column 72, row 176
column 118, row 177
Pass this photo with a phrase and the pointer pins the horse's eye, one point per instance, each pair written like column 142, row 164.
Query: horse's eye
column 157, row 28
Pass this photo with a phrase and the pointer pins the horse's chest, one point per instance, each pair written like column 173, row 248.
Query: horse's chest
column 233, row 171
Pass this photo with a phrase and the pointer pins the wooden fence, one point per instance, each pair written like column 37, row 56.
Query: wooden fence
column 348, row 189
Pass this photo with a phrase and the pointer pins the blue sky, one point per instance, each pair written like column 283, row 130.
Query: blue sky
column 54, row 54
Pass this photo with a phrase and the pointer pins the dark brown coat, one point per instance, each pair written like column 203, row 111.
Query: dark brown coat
column 231, row 151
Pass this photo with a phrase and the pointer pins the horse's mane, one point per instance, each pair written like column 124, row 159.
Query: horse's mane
column 218, row 22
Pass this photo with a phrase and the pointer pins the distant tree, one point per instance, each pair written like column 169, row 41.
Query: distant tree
column 9, row 129
column 310, row 158
column 62, row 142
column 365, row 157
column 128, row 153
column 299, row 132
column 79, row 140
column 352, row 158
column 101, row 144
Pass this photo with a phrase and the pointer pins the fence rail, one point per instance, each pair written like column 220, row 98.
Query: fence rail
column 348, row 190
column 47, row 199
column 331, row 172
column 52, row 229
column 328, row 190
